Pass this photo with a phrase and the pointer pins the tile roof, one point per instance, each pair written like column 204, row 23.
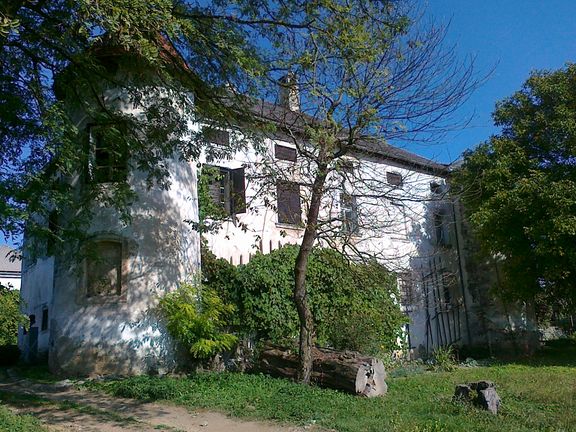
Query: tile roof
column 296, row 121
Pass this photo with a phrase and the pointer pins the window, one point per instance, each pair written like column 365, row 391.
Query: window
column 394, row 179
column 289, row 206
column 285, row 153
column 435, row 187
column 227, row 190
column 216, row 136
column 108, row 154
column 449, row 282
column 346, row 166
column 349, row 210
column 53, row 227
column 402, row 228
column 407, row 289
column 441, row 229
column 44, row 324
column 104, row 269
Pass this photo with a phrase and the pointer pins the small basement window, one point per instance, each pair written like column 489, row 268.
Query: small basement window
column 285, row 153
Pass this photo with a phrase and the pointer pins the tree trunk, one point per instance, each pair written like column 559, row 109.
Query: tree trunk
column 346, row 371
column 300, row 269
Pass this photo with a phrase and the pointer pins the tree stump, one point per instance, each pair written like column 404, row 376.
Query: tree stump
column 347, row 371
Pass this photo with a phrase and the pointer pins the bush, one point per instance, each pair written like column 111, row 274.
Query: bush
column 353, row 304
column 196, row 318
column 10, row 315
column 444, row 359
column 9, row 355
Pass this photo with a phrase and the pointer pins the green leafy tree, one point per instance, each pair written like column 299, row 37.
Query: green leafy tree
column 519, row 190
column 353, row 304
column 364, row 72
column 10, row 315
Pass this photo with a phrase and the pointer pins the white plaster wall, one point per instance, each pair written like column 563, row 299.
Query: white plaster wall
column 392, row 235
column 12, row 282
column 163, row 250
column 35, row 294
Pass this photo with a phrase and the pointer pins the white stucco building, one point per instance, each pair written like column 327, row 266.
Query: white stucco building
column 10, row 267
column 93, row 313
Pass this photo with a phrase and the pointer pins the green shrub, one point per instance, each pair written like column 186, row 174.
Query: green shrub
column 444, row 359
column 12, row 422
column 196, row 318
column 10, row 314
column 353, row 304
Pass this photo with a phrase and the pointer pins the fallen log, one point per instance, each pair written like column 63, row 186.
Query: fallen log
column 347, row 371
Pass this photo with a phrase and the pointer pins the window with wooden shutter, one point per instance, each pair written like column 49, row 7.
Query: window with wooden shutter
column 238, row 191
column 394, row 178
column 285, row 153
column 227, row 189
column 289, row 206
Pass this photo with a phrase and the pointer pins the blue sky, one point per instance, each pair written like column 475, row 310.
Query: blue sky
column 513, row 36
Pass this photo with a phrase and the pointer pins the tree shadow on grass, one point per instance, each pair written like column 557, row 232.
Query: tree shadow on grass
column 560, row 352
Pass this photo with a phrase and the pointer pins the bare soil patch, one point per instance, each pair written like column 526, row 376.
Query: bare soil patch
column 62, row 407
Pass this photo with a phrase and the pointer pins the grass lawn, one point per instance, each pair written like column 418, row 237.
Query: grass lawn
column 537, row 395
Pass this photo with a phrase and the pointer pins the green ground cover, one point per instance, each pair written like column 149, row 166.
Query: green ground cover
column 538, row 394
column 10, row 422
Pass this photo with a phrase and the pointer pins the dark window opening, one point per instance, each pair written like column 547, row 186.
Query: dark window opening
column 435, row 187
column 44, row 325
column 441, row 229
column 285, row 153
column 228, row 190
column 394, row 178
column 349, row 209
column 289, row 205
column 407, row 289
column 54, row 230
column 216, row 136
column 346, row 167
column 108, row 155
column 32, row 319
column 104, row 269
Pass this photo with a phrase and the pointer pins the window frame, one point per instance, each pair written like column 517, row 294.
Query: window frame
column 350, row 225
column 284, row 153
column 283, row 190
column 391, row 177
column 117, row 168
column 121, row 296
column 232, row 190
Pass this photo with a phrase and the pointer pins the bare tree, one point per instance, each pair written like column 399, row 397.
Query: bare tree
column 362, row 77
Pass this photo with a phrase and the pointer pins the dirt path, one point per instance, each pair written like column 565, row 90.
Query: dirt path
column 61, row 407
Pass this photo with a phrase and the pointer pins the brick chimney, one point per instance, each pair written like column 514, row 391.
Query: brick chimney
column 289, row 94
